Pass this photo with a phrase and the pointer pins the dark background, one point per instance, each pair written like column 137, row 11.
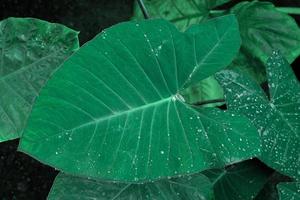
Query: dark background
column 22, row 177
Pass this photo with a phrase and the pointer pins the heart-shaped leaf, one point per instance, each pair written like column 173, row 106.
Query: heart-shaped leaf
column 239, row 181
column 31, row 50
column 289, row 191
column 277, row 119
column 193, row 187
column 113, row 110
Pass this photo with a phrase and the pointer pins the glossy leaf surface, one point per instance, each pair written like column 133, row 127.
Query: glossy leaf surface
column 195, row 187
column 31, row 50
column 289, row 191
column 182, row 14
column 263, row 28
column 112, row 111
column 277, row 119
column 241, row 181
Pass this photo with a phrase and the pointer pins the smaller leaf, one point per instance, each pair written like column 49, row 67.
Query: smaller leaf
column 31, row 50
column 289, row 191
column 276, row 119
column 66, row 187
column 182, row 13
column 239, row 181
column 264, row 28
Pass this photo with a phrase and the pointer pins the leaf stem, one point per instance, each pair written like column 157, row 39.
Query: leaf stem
column 200, row 103
column 143, row 9
column 287, row 10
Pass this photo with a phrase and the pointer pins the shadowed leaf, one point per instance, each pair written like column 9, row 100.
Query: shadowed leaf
column 30, row 51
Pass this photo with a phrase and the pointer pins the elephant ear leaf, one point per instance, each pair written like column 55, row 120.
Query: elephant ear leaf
column 277, row 117
column 113, row 110
column 289, row 191
column 67, row 187
column 31, row 50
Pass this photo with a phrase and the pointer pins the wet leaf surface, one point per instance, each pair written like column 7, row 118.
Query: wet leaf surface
column 277, row 118
column 289, row 191
column 117, row 99
column 192, row 187
column 31, row 50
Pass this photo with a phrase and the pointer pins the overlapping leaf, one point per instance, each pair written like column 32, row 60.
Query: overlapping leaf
column 277, row 119
column 241, row 181
column 269, row 191
column 289, row 191
column 193, row 187
column 264, row 28
column 113, row 111
column 31, row 50
column 182, row 14
column 204, row 91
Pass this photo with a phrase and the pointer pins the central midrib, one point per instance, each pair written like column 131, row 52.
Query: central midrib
column 95, row 121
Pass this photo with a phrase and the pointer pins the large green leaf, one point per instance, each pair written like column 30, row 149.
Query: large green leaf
column 31, row 50
column 277, row 119
column 113, row 111
column 182, row 14
column 264, row 28
column 195, row 187
column 289, row 191
column 241, row 181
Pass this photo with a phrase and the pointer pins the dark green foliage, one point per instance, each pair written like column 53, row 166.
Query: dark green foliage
column 133, row 115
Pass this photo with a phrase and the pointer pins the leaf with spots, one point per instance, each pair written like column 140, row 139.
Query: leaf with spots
column 241, row 181
column 276, row 118
column 30, row 51
column 289, row 191
column 66, row 187
column 112, row 111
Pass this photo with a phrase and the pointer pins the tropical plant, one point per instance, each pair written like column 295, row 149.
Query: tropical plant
column 168, row 108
